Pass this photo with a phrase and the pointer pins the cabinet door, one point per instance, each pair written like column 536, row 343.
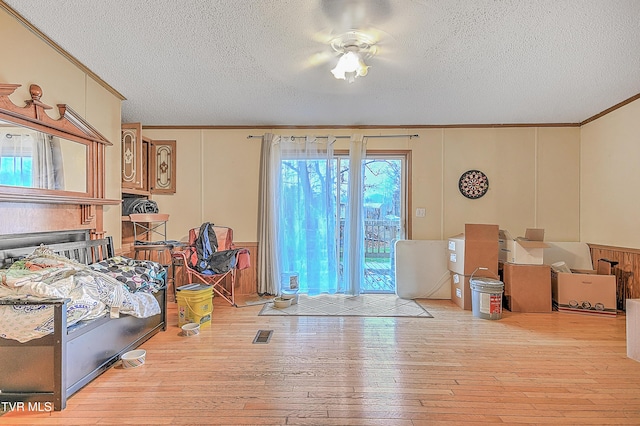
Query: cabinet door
column 162, row 167
column 146, row 149
column 133, row 176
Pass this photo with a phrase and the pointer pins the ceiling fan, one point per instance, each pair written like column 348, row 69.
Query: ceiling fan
column 352, row 36
column 353, row 47
column 348, row 52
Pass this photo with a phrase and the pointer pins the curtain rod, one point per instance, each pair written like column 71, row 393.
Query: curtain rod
column 345, row 137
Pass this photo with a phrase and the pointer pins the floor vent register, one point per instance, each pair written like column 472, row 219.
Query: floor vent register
column 263, row 336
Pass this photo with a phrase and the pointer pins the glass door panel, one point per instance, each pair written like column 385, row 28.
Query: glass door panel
column 384, row 217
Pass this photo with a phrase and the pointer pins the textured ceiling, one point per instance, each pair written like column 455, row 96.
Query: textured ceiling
column 267, row 62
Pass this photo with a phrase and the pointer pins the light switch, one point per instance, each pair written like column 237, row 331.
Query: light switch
column 421, row 212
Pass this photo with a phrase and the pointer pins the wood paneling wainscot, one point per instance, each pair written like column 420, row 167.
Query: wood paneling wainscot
column 38, row 217
column 627, row 270
column 247, row 279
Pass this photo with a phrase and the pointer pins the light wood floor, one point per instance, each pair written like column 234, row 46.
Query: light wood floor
column 555, row 368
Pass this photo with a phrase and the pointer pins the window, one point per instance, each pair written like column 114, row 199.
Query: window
column 16, row 160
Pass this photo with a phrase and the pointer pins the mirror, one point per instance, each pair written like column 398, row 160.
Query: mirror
column 47, row 160
column 32, row 159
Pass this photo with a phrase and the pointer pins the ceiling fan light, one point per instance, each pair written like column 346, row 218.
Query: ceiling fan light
column 338, row 72
column 351, row 77
column 363, row 69
column 350, row 65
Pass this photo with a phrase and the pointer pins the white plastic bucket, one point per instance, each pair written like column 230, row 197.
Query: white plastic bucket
column 486, row 298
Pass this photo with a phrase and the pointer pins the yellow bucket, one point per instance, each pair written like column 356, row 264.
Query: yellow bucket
column 195, row 304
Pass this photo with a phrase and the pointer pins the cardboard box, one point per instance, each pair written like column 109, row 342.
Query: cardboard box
column 461, row 290
column 527, row 288
column 476, row 247
column 527, row 250
column 456, row 249
column 502, row 246
column 584, row 292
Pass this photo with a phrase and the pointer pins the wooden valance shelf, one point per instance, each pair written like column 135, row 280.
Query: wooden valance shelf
column 130, row 191
column 56, row 199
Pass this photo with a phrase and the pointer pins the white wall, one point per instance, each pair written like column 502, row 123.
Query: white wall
column 610, row 158
column 26, row 60
column 218, row 177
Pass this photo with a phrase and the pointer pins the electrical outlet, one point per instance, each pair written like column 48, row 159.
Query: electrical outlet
column 421, row 212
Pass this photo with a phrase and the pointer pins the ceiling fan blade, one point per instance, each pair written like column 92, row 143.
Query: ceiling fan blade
column 324, row 36
column 334, row 42
column 319, row 58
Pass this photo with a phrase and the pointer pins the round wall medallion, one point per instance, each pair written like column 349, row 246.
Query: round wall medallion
column 473, row 184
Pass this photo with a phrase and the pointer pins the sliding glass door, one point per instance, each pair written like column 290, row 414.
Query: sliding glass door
column 313, row 211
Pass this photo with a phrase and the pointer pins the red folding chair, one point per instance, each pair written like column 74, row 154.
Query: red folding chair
column 239, row 259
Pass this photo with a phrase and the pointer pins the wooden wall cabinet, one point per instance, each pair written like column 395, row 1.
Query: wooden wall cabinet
column 148, row 166
column 132, row 173
column 162, row 167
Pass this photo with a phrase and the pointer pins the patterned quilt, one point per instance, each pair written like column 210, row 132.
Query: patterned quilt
column 136, row 275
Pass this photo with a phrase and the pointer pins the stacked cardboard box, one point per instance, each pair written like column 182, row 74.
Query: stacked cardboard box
column 527, row 288
column 476, row 248
column 527, row 250
column 527, row 282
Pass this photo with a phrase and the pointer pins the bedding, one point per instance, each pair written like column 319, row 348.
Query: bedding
column 116, row 286
column 134, row 205
column 135, row 274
